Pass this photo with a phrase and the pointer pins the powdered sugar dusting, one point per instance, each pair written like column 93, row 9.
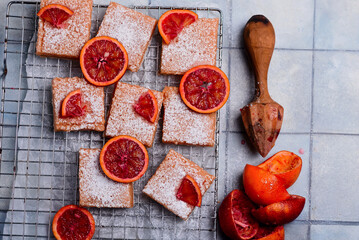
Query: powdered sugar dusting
column 67, row 41
column 123, row 120
column 133, row 29
column 92, row 96
column 195, row 45
column 181, row 125
column 96, row 190
column 164, row 184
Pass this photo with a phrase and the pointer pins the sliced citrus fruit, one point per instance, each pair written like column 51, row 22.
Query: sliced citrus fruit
column 262, row 187
column 204, row 89
column 235, row 216
column 147, row 106
column 270, row 233
column 73, row 222
column 280, row 213
column 103, row 61
column 285, row 165
column 172, row 22
column 189, row 192
column 124, row 159
column 55, row 14
column 72, row 105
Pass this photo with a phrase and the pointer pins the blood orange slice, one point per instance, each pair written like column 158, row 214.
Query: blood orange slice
column 124, row 159
column 103, row 61
column 72, row 105
column 172, row 22
column 73, row 222
column 55, row 14
column 147, row 107
column 190, row 192
column 204, row 89
column 235, row 216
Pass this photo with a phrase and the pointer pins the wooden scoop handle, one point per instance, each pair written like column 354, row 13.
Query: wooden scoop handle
column 259, row 39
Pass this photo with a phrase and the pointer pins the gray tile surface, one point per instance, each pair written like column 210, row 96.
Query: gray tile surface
column 242, row 88
column 334, row 232
column 292, row 21
column 297, row 231
column 336, row 88
column 289, row 83
column 225, row 69
column 334, row 25
column 335, row 178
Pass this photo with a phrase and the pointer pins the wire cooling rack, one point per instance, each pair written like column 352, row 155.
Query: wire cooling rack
column 39, row 168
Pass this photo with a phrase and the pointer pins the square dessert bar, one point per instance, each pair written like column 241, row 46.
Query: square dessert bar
column 133, row 29
column 195, row 45
column 67, row 41
column 96, row 189
column 123, row 120
column 92, row 96
column 164, row 184
column 181, row 125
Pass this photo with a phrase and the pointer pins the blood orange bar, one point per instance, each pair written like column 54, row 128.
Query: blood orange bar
column 93, row 97
column 123, row 120
column 195, row 45
column 164, row 184
column 131, row 28
column 67, row 41
column 97, row 190
column 181, row 125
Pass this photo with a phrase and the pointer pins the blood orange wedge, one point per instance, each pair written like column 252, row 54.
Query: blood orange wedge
column 284, row 165
column 72, row 105
column 55, row 14
column 204, row 89
column 262, row 187
column 103, row 61
column 190, row 192
column 73, row 222
column 172, row 22
column 235, row 216
column 270, row 233
column 280, row 213
column 147, row 107
column 124, row 159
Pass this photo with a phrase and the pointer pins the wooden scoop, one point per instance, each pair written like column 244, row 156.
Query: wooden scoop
column 263, row 117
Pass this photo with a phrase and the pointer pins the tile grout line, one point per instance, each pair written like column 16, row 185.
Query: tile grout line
column 305, row 49
column 326, row 222
column 298, row 133
column 311, row 128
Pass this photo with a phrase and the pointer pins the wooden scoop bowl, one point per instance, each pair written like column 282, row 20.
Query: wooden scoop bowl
column 263, row 117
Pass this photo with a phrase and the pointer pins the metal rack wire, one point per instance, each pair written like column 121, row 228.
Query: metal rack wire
column 39, row 168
